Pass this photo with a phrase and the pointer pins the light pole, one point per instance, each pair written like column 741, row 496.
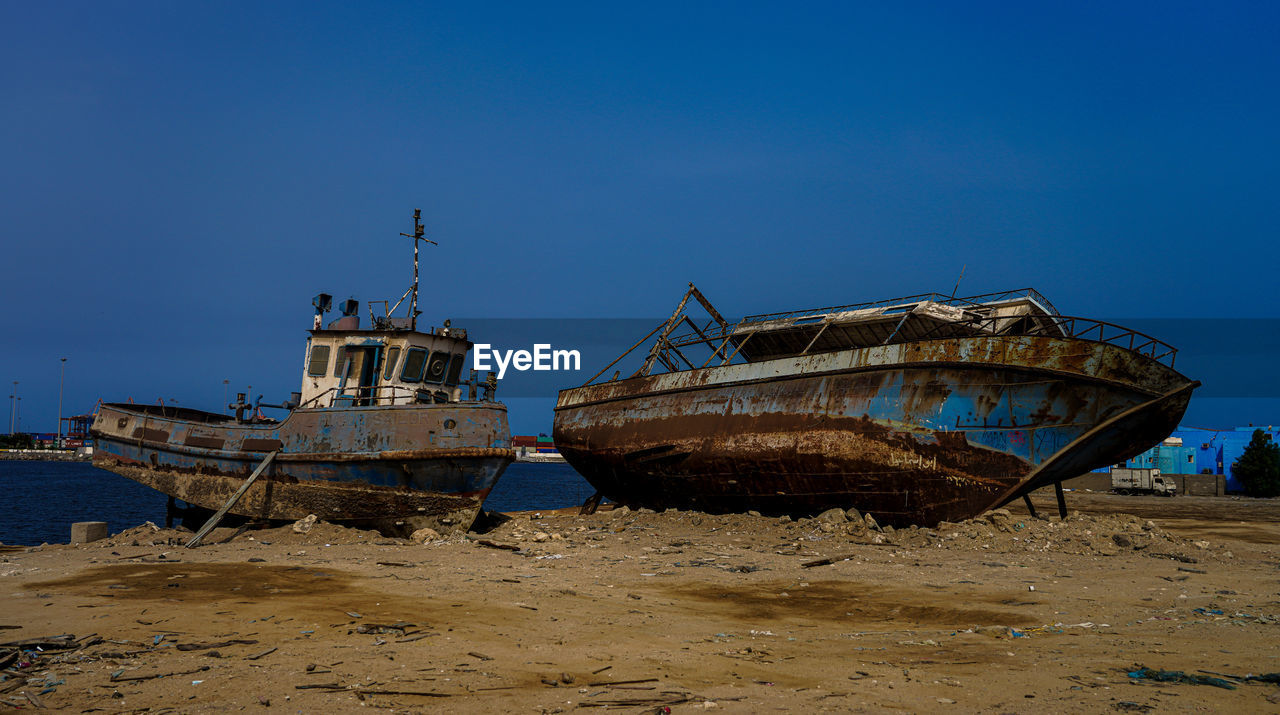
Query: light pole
column 224, row 396
column 13, row 408
column 62, row 374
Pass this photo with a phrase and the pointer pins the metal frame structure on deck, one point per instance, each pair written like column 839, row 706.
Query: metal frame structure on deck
column 926, row 316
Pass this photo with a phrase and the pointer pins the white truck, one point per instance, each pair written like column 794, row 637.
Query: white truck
column 1141, row 481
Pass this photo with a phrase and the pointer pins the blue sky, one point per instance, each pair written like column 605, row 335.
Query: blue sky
column 180, row 178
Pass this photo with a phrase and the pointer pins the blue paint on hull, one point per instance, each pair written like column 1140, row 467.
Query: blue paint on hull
column 938, row 439
column 383, row 454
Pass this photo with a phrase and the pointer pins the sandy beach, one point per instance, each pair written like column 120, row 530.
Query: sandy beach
column 679, row 611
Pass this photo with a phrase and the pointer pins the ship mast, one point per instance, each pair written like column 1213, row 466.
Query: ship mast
column 418, row 235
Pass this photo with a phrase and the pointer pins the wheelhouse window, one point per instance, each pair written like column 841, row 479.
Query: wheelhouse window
column 345, row 354
column 455, row 369
column 318, row 366
column 415, row 361
column 437, row 366
column 389, row 369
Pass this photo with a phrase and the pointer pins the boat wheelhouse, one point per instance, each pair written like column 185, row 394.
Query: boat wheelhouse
column 347, row 366
column 384, row 432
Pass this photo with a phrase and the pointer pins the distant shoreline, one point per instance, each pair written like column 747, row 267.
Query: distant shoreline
column 42, row 455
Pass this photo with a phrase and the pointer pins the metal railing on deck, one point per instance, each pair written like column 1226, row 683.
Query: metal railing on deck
column 666, row 350
column 1067, row 326
column 384, row 395
column 1061, row 326
column 910, row 301
column 893, row 306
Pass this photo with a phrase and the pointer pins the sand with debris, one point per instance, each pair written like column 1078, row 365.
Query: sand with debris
column 678, row 611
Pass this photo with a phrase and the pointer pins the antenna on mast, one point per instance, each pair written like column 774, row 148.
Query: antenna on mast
column 953, row 290
column 419, row 234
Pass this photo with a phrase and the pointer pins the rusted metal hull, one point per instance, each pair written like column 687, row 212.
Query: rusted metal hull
column 914, row 433
column 393, row 468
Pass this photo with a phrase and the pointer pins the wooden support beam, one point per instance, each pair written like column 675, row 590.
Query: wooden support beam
column 591, row 504
column 213, row 520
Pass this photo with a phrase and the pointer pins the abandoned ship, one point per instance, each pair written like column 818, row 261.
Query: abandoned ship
column 918, row 410
column 384, row 433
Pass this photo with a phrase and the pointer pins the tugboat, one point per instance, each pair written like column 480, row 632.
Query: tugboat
column 385, row 432
column 920, row 409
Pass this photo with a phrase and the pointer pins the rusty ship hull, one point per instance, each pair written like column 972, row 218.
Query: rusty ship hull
column 395, row 468
column 916, row 432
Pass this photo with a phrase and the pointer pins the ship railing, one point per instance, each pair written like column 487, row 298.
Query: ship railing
column 1058, row 326
column 726, row 339
column 890, row 306
column 379, row 395
column 1064, row 326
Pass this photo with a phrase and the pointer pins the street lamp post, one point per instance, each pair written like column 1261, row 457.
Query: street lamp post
column 62, row 374
column 13, row 408
column 224, row 396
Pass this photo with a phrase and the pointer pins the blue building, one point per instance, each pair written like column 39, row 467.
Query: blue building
column 1191, row 450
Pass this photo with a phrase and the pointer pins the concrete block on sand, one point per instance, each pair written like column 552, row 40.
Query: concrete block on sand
column 83, row 532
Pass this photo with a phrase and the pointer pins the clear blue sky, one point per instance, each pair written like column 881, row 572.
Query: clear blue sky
column 179, row 178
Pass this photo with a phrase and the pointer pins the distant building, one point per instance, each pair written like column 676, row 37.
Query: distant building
column 76, row 433
column 44, row 440
column 541, row 443
column 535, row 449
column 1191, row 450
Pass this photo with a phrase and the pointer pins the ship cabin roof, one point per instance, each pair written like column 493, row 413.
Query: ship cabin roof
column 349, row 367
column 898, row 320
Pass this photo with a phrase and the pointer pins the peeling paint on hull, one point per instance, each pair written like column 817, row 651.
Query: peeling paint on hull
column 394, row 468
column 913, row 433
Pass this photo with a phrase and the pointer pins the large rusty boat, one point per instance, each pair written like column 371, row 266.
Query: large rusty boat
column 919, row 410
column 385, row 432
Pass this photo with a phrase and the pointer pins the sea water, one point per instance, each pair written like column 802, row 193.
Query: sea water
column 43, row 499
